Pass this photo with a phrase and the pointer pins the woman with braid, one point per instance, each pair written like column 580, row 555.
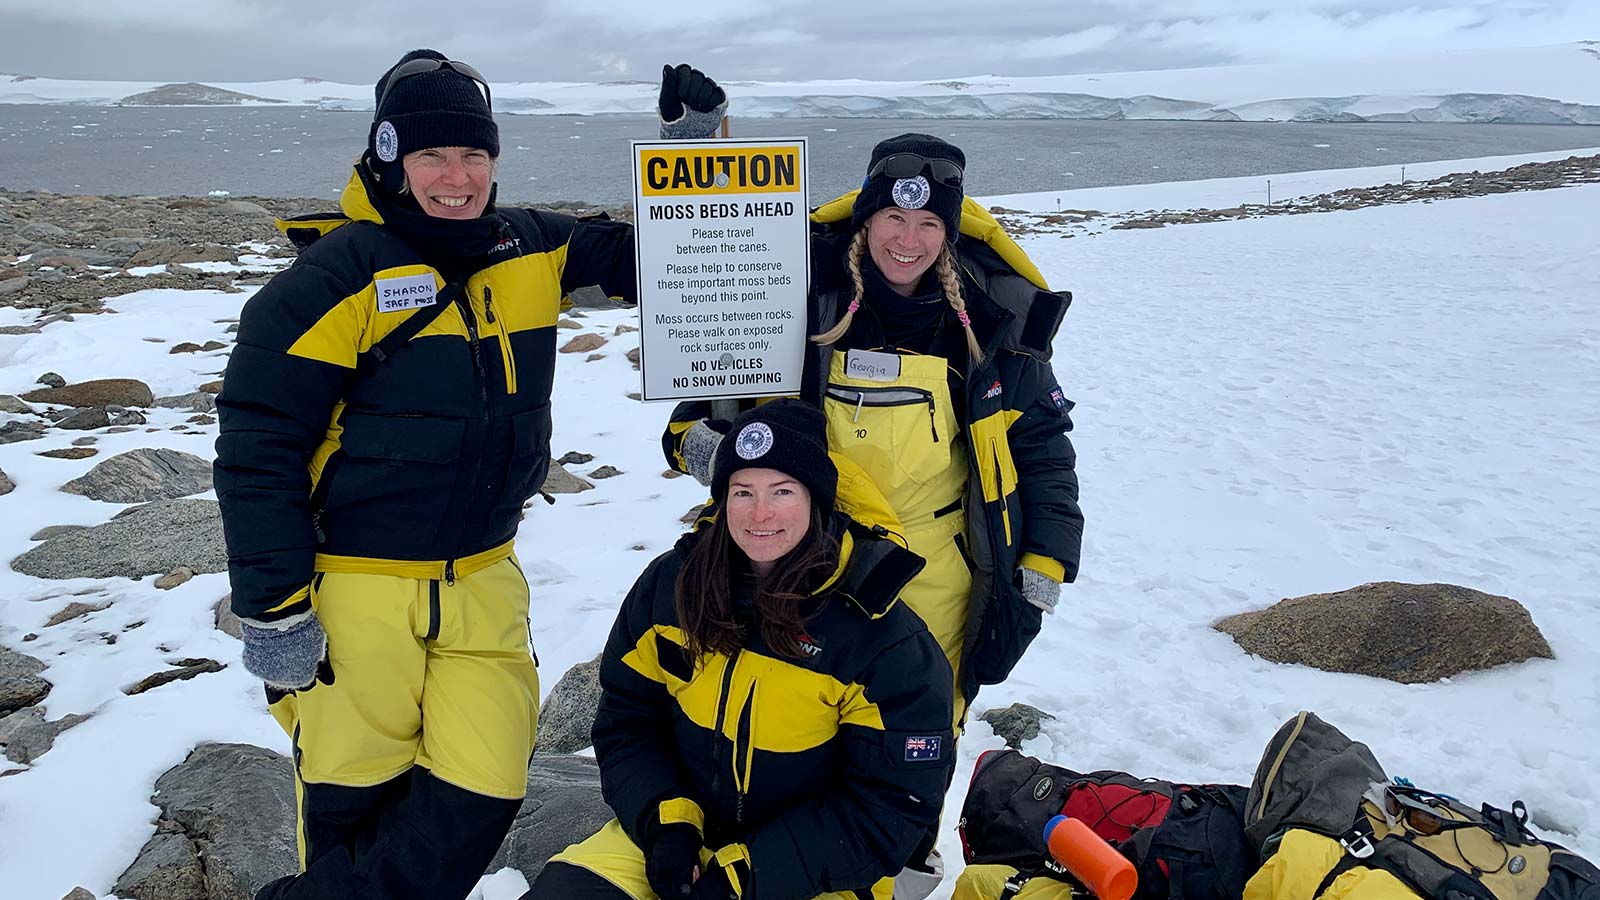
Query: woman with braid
column 930, row 359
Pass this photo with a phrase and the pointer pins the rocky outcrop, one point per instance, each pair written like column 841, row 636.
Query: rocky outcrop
column 1410, row 633
column 567, row 715
column 100, row 392
column 20, row 684
column 226, row 825
column 1016, row 723
column 26, row 736
column 139, row 476
column 152, row 539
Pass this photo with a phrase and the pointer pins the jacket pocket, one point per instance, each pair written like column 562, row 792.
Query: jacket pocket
column 1009, row 625
column 530, row 457
column 893, row 432
column 390, row 493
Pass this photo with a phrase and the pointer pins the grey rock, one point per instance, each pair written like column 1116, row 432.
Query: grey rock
column 605, row 472
column 96, row 257
column 152, row 539
column 199, row 401
column 167, row 868
column 100, row 392
column 79, row 893
column 50, row 531
column 245, row 208
column 85, row 441
column 236, row 803
column 622, row 330
column 26, row 735
column 1016, row 723
column 14, row 405
column 86, row 419
column 184, row 670
column 125, row 417
column 51, row 379
column 583, row 343
column 563, row 805
column 633, row 357
column 567, row 715
column 12, row 432
column 71, row 453
column 184, row 347
column 213, row 345
column 560, row 481
column 17, row 286
column 169, row 253
column 1409, row 633
column 575, row 458
column 20, row 684
column 142, row 475
column 592, row 297
column 6, row 484
column 42, row 231
column 227, row 622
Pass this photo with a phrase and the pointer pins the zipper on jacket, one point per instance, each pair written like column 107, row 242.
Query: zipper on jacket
column 449, row 572
column 319, row 494
column 433, row 611
column 506, row 355
column 485, row 414
column 744, row 734
column 722, row 718
column 886, row 396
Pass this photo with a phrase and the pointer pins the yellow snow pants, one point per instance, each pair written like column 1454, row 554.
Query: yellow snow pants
column 426, row 673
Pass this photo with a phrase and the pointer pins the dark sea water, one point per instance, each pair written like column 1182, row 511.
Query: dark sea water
column 297, row 152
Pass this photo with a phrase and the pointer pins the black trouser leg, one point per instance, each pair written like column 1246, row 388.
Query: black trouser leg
column 563, row 881
column 434, row 843
column 335, row 816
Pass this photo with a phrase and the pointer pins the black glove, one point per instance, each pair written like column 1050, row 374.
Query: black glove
column 684, row 84
column 672, row 861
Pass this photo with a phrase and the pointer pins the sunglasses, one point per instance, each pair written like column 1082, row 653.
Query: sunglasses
column 423, row 67
column 1419, row 816
column 910, row 165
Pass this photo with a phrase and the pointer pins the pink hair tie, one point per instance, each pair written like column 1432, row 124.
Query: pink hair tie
column 963, row 318
column 854, row 305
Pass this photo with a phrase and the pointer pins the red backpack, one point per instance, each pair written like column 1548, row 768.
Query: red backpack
column 1186, row 841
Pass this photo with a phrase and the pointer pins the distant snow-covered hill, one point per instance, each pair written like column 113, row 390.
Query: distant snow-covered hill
column 1557, row 84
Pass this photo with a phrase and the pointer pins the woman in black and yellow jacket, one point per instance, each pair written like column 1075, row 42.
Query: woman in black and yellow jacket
column 931, row 360
column 384, row 417
column 773, row 723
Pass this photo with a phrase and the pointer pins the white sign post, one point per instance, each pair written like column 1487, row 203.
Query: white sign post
column 724, row 255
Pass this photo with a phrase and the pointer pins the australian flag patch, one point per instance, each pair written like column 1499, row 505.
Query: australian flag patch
column 1059, row 399
column 923, row 749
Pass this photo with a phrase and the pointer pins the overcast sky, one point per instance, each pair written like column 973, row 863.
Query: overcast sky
column 604, row 40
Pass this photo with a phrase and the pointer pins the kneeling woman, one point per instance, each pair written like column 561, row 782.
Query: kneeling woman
column 772, row 725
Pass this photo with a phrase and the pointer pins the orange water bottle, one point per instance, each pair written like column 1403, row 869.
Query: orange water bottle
column 1090, row 859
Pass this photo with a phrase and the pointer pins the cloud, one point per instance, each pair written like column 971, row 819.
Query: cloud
column 545, row 40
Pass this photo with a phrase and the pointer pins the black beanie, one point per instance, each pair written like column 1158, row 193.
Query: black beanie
column 442, row 108
column 786, row 435
column 921, row 191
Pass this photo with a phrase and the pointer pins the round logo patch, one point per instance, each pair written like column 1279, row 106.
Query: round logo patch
column 388, row 142
column 754, row 441
column 1518, row 863
column 911, row 193
column 1042, row 789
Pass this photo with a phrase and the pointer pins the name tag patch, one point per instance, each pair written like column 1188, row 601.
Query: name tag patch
column 923, row 749
column 408, row 292
column 872, row 365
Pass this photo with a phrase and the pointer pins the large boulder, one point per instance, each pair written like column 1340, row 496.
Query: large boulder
column 230, row 805
column 1410, row 633
column 142, row 475
column 567, row 716
column 102, row 392
column 227, row 817
column 563, row 806
column 20, row 684
column 152, row 539
column 12, row 432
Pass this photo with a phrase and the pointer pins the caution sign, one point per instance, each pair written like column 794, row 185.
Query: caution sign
column 724, row 254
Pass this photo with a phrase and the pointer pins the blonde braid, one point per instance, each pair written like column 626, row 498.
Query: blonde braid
column 951, row 282
column 852, row 262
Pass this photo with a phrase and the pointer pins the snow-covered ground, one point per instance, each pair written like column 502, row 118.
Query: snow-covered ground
column 1557, row 84
column 1266, row 408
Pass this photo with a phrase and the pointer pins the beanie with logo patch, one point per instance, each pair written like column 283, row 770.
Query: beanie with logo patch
column 438, row 108
column 786, row 435
column 897, row 178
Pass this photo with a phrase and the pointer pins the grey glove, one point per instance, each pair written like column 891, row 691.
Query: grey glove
column 1040, row 590
column 290, row 654
column 699, row 448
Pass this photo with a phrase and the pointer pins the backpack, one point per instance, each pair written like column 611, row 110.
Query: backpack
column 1314, row 778
column 1186, row 841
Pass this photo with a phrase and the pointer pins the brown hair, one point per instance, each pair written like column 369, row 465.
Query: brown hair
column 949, row 280
column 707, row 583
